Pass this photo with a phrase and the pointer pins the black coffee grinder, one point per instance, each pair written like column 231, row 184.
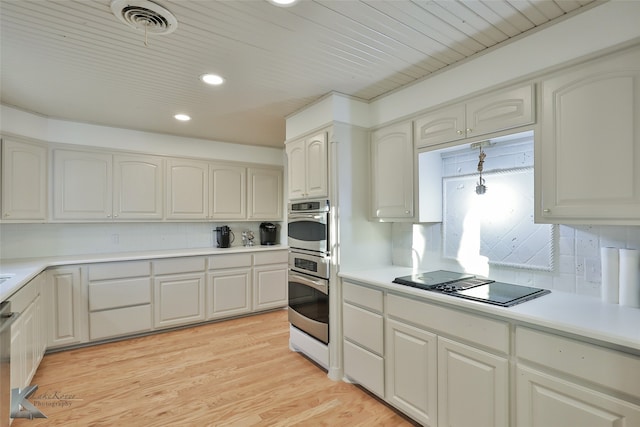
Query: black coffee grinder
column 224, row 236
column 268, row 233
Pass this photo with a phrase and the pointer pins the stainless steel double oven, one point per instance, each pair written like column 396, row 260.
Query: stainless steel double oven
column 309, row 246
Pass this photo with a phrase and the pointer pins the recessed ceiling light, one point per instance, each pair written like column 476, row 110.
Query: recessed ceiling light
column 284, row 3
column 182, row 117
column 212, row 79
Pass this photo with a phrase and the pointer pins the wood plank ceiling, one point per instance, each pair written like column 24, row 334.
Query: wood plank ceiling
column 73, row 59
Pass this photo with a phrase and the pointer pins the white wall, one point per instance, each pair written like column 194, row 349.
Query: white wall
column 45, row 240
column 334, row 107
column 17, row 122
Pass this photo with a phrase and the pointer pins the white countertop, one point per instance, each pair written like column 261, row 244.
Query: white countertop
column 23, row 270
column 564, row 312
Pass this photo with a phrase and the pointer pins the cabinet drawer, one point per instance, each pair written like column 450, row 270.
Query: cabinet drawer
column 363, row 296
column 118, row 270
column 480, row 330
column 363, row 327
column 610, row 368
column 119, row 321
column 122, row 293
column 229, row 261
column 178, row 265
column 364, row 367
column 275, row 257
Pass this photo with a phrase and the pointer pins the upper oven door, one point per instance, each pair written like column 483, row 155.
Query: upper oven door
column 309, row 231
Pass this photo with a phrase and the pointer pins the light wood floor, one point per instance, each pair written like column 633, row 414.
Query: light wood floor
column 234, row 373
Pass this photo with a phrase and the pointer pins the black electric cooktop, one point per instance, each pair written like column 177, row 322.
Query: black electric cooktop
column 471, row 287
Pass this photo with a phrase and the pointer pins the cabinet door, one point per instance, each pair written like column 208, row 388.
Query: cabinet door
column 440, row 126
column 270, row 286
column 392, row 178
column 500, row 110
column 64, row 299
column 588, row 159
column 187, row 189
column 548, row 401
column 265, row 194
column 317, row 166
column 24, row 181
column 411, row 381
column 82, row 185
column 473, row 386
column 296, row 167
column 178, row 300
column 228, row 293
column 138, row 189
column 228, row 193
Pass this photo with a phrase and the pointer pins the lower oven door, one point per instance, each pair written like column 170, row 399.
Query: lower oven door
column 309, row 305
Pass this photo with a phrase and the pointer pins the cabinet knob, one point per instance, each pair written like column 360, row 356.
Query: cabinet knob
column 459, row 132
column 407, row 212
column 546, row 210
column 469, row 130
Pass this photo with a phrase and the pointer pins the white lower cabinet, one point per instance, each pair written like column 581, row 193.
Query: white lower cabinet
column 363, row 329
column 228, row 285
column 544, row 400
column 28, row 337
column 119, row 299
column 65, row 310
column 440, row 366
column 565, row 382
column 270, row 282
column 411, row 371
column 179, row 289
column 473, row 386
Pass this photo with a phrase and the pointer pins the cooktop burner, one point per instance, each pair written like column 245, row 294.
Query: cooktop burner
column 471, row 287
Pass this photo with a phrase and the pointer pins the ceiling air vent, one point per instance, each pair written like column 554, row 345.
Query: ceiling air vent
column 145, row 16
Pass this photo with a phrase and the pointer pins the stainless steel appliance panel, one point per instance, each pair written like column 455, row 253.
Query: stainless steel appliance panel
column 308, row 231
column 6, row 319
column 309, row 305
column 307, row 263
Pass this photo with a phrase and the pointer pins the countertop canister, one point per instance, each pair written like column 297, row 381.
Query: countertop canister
column 630, row 277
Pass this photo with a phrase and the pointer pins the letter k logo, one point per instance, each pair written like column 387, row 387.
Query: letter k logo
column 21, row 407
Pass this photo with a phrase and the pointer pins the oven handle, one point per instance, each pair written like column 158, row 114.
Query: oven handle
column 7, row 320
column 319, row 284
column 301, row 217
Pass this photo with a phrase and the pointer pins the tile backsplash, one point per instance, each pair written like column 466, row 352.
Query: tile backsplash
column 577, row 255
column 44, row 240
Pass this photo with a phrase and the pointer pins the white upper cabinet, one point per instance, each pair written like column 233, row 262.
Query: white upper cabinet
column 444, row 125
column 392, row 172
column 308, row 167
column 588, row 156
column 24, row 180
column 499, row 110
column 187, row 189
column 137, row 189
column 228, row 191
column 82, row 185
column 99, row 186
column 265, row 194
